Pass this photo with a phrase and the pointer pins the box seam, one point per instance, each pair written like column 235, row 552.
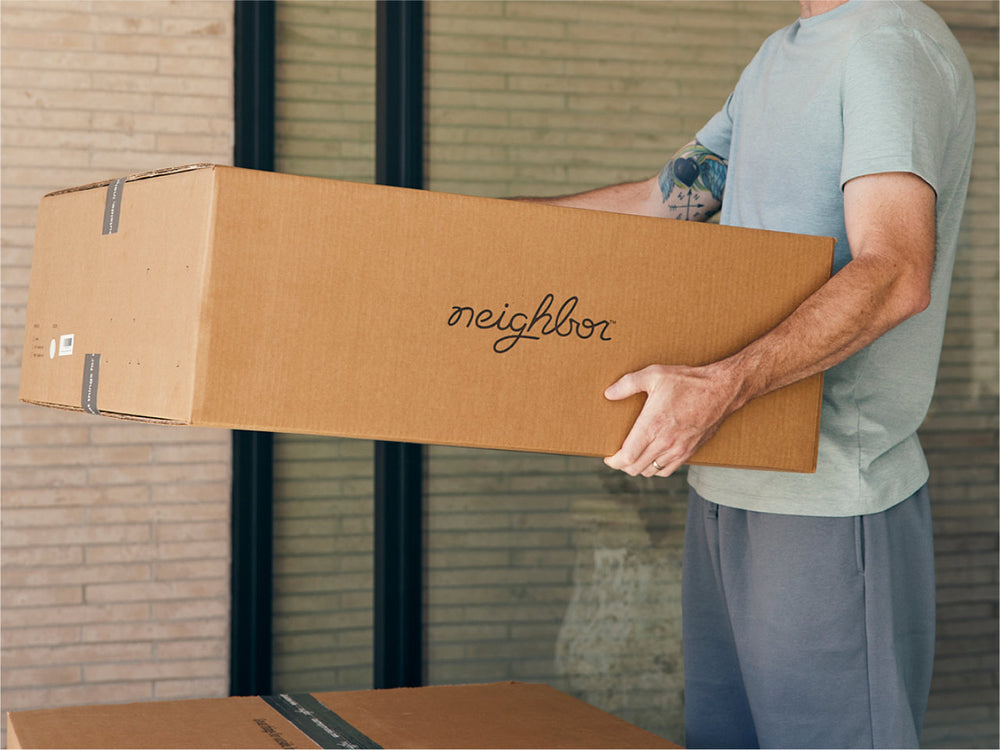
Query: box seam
column 203, row 337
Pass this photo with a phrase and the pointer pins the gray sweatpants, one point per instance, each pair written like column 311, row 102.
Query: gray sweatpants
column 807, row 632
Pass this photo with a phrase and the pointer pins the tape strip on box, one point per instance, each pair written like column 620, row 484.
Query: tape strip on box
column 322, row 725
column 113, row 206
column 91, row 375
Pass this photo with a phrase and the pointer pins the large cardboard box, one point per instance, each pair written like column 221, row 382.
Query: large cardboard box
column 215, row 296
column 501, row 715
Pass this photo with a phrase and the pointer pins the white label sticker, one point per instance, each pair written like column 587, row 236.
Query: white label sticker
column 66, row 344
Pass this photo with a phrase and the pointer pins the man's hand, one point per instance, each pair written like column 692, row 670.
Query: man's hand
column 684, row 408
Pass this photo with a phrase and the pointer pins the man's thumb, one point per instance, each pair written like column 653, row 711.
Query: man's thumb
column 625, row 386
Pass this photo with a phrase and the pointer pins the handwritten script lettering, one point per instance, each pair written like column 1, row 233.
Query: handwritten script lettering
column 531, row 326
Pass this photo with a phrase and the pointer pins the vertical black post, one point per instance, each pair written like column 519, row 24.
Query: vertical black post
column 253, row 452
column 399, row 120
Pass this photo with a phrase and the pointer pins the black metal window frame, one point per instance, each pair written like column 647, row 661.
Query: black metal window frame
column 398, row 467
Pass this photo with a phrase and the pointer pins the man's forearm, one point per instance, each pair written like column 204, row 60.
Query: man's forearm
column 689, row 187
column 891, row 227
column 855, row 307
column 640, row 198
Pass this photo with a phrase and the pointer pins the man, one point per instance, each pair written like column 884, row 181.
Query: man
column 809, row 599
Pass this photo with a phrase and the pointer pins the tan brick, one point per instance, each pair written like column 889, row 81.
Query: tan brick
column 18, row 80
column 190, row 688
column 40, row 676
column 72, row 456
column 16, row 639
column 191, row 144
column 160, row 9
column 81, row 653
column 27, row 560
column 177, row 534
column 76, row 535
column 32, row 38
column 156, row 474
column 153, row 591
column 211, row 452
column 112, row 431
column 15, row 478
column 158, row 630
column 199, row 492
column 41, row 616
column 29, row 698
column 151, row 670
column 40, row 596
column 69, row 496
column 211, row 612
column 175, row 104
column 191, row 649
column 76, row 574
column 192, row 569
column 16, row 518
column 192, row 513
column 47, row 436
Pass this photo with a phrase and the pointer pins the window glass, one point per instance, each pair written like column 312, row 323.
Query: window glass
column 325, row 127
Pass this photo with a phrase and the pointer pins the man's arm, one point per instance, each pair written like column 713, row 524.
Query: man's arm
column 690, row 187
column 891, row 231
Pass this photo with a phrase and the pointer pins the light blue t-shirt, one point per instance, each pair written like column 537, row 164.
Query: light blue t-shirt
column 872, row 86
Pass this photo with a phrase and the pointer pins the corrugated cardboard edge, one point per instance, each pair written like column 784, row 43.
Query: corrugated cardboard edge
column 134, row 177
column 822, row 379
column 819, row 420
column 113, row 414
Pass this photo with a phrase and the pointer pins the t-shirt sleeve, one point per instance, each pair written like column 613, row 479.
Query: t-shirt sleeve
column 898, row 95
column 717, row 133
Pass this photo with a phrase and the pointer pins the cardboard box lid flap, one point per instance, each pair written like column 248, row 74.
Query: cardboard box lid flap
column 134, row 177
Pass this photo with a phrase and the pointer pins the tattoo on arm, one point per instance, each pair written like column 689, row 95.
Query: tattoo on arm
column 693, row 182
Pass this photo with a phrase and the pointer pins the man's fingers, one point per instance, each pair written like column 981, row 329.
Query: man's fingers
column 653, row 461
column 644, row 444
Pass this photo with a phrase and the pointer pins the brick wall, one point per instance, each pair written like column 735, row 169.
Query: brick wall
column 115, row 536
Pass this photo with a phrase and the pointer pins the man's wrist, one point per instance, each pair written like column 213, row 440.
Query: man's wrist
column 733, row 378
